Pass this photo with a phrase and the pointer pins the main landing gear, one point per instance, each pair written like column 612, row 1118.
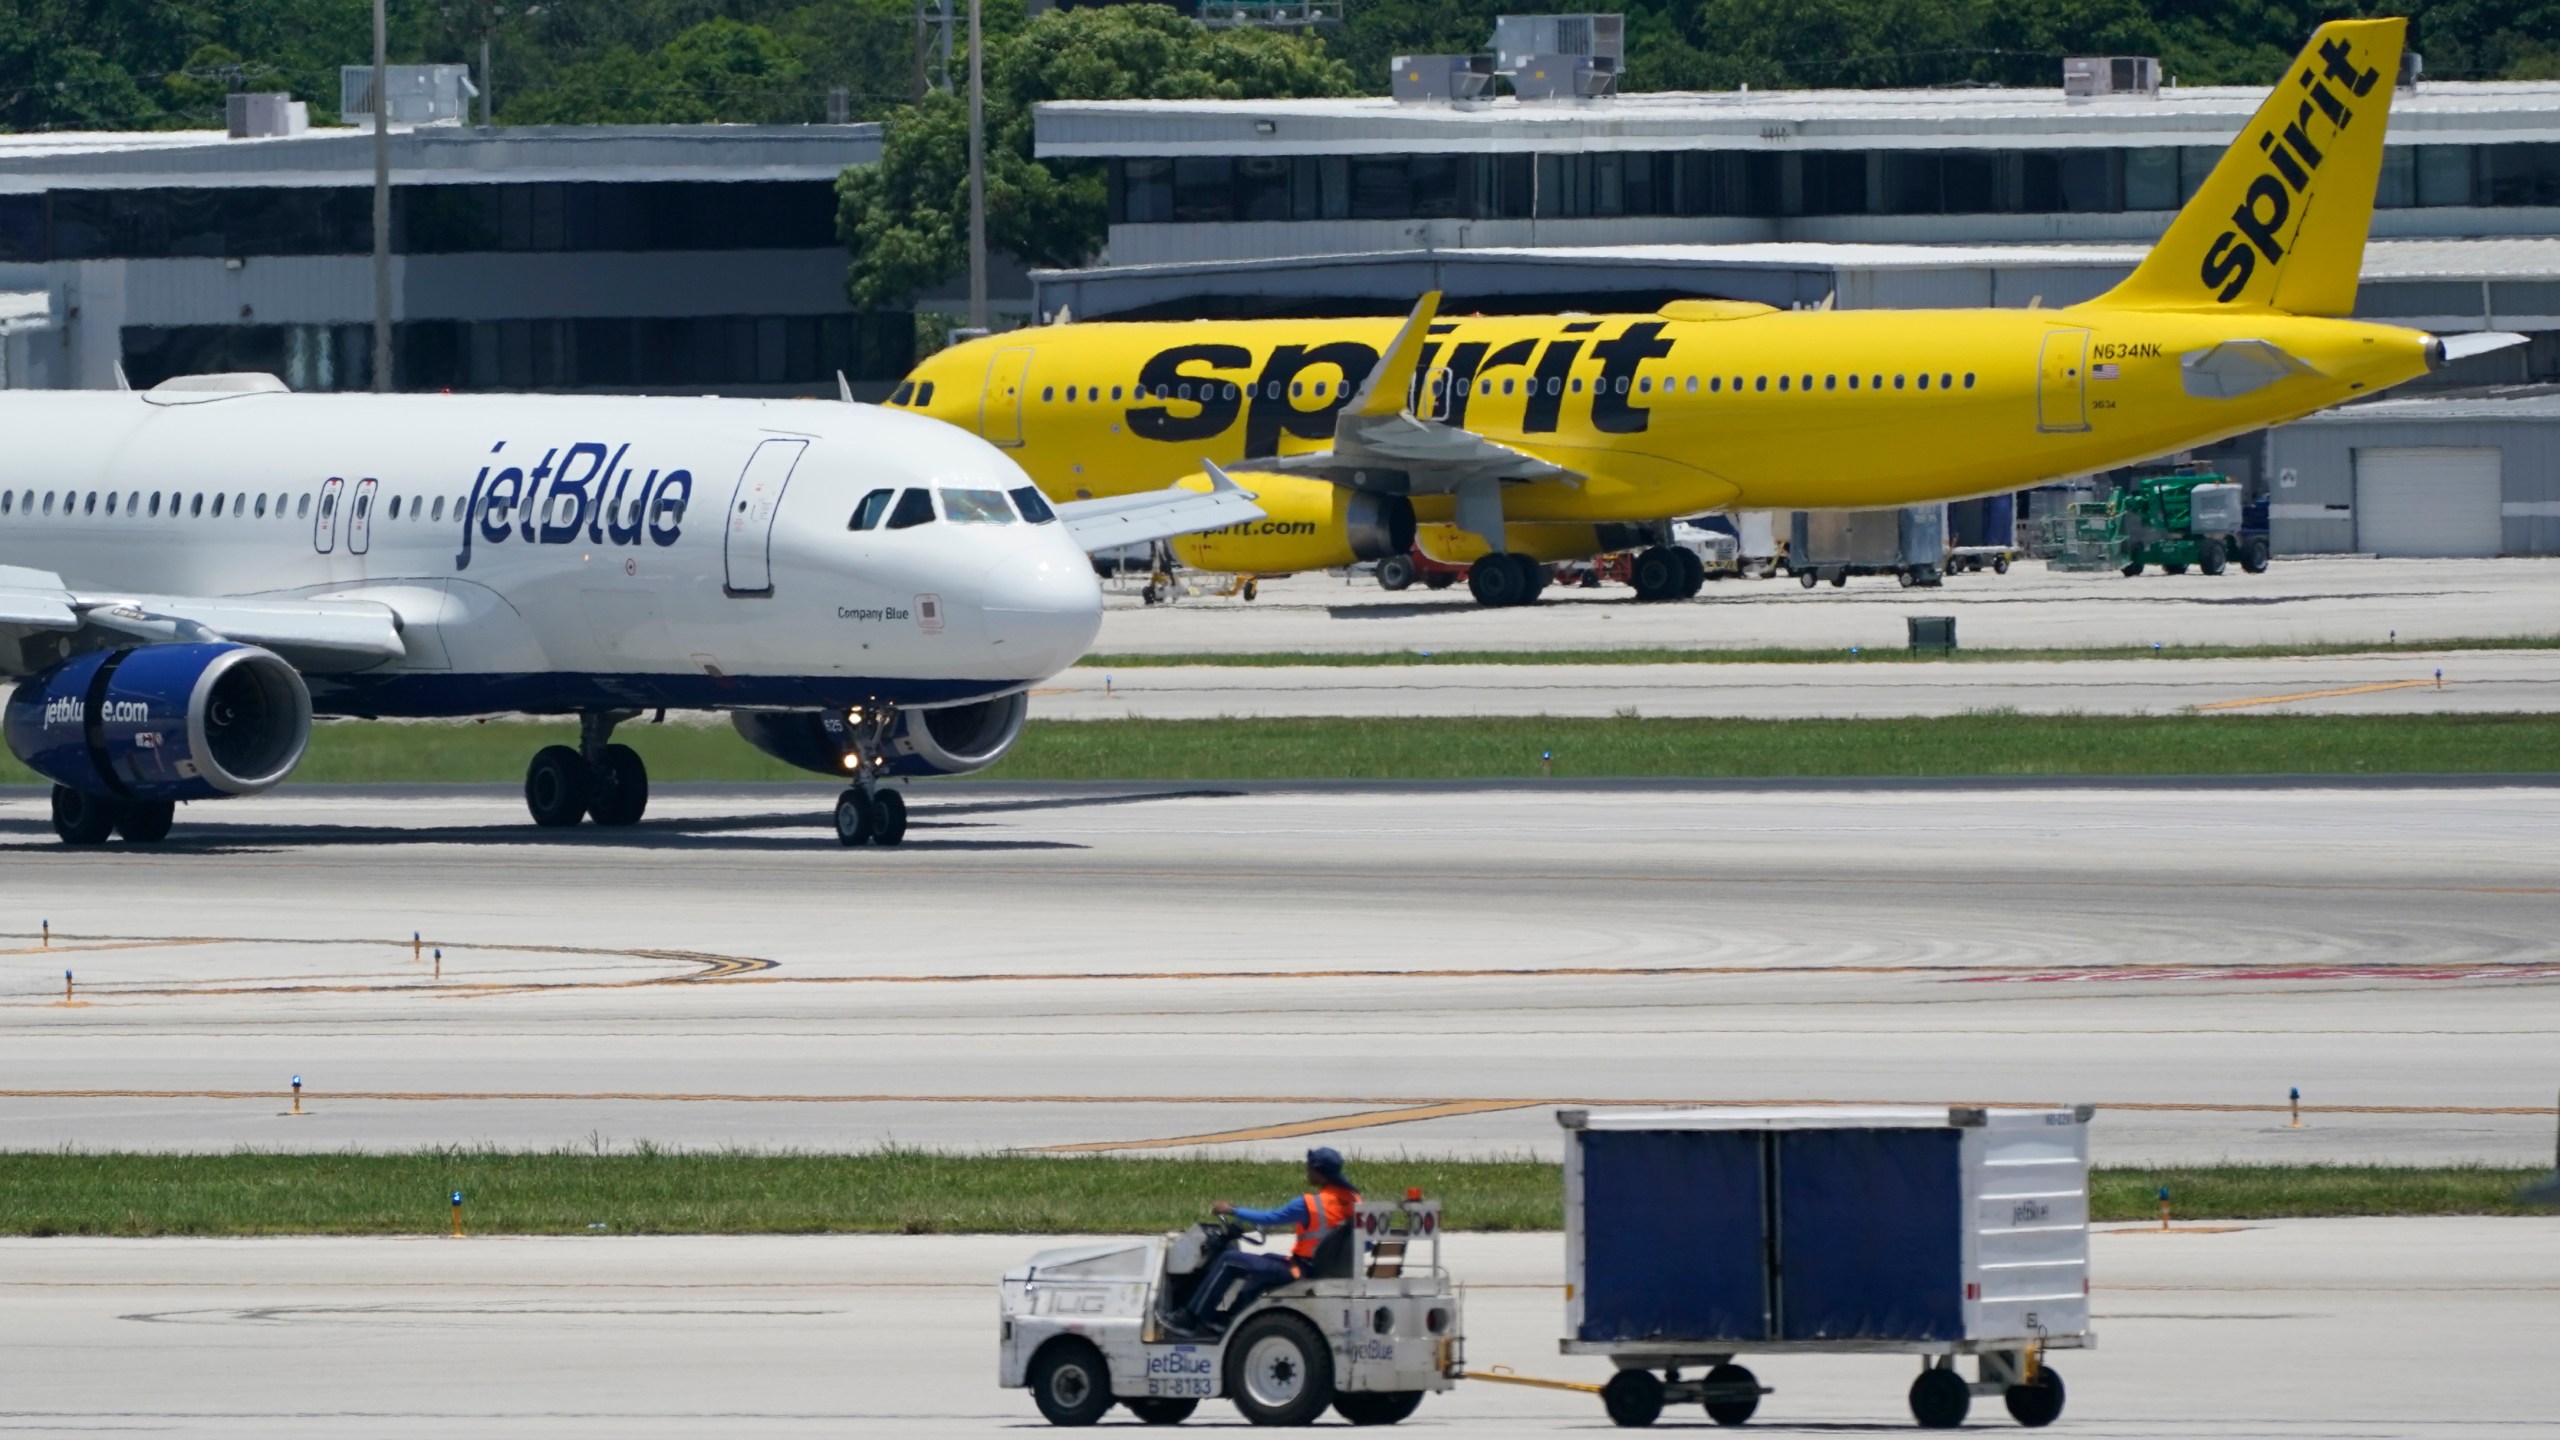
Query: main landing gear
column 1668, row 572
column 869, row 814
column 80, row 818
column 564, row 785
column 1506, row 578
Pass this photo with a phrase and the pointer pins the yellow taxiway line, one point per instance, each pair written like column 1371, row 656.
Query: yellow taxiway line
column 1362, row 1120
column 2312, row 695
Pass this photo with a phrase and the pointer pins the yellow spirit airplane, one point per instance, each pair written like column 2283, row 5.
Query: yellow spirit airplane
column 1510, row 441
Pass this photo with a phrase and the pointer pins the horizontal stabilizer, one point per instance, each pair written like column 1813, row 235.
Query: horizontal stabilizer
column 2478, row 342
column 1160, row 514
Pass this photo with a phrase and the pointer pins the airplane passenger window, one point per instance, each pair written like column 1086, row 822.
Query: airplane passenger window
column 1830, row 382
column 1645, row 385
column 92, row 507
column 217, row 507
column 924, row 393
column 1092, row 392
column 439, row 509
column 915, row 507
column 899, row 395
column 1897, row 382
column 976, row 507
column 1924, row 380
column 1115, row 392
column 1320, row 389
column 1946, row 382
column 48, row 502
column 1782, row 382
column 239, row 506
column 1853, row 382
column 8, row 501
column 1164, row 392
column 1035, row 506
column 1808, row 383
column 1555, row 384
column 262, row 506
column 1715, row 383
column 1048, row 393
column 1297, row 388
column 1181, row 392
column 196, row 506
column 1968, row 379
column 302, row 510
column 866, row 515
column 111, row 502
column 1759, row 382
column 1693, row 384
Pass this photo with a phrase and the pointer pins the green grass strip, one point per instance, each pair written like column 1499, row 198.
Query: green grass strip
column 1990, row 744
column 1795, row 655
column 919, row 1192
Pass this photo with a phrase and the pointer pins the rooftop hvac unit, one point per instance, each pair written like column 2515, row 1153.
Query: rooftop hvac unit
column 1518, row 39
column 420, row 94
column 1442, row 77
column 1564, row 77
column 256, row 117
column 2085, row 76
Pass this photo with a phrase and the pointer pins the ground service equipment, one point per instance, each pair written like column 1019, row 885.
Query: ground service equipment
column 1909, row 543
column 1373, row 1329
column 2196, row 518
column 1694, row 1237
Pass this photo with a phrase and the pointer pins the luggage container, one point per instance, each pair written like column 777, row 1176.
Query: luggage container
column 1909, row 544
column 1694, row 1237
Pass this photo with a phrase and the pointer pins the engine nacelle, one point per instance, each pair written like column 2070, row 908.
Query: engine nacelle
column 946, row 740
column 163, row 722
column 1306, row 525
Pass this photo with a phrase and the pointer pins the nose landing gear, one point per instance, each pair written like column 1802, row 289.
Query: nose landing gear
column 867, row 814
column 609, row 782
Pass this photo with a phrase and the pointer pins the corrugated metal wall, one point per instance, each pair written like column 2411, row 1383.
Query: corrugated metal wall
column 2315, row 513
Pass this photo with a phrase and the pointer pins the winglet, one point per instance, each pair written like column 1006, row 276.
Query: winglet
column 844, row 388
column 1222, row 483
column 1390, row 381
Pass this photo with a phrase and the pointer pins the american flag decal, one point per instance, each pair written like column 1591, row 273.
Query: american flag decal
column 2103, row 372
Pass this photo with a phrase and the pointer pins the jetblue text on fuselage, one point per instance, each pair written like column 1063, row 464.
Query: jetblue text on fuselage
column 575, row 494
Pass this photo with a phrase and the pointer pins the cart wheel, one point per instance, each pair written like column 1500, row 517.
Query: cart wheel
column 2179, row 569
column 1633, row 1397
column 2212, row 559
column 1149, row 595
column 1395, row 572
column 1161, row 1409
column 1908, row 578
column 2038, row 1405
column 1279, row 1371
column 1377, row 1407
column 1939, row 1399
column 1808, row 577
column 2132, row 569
column 1839, row 578
column 1738, row 1409
column 1252, row 590
column 1999, row 564
column 2254, row 560
column 1070, row 1382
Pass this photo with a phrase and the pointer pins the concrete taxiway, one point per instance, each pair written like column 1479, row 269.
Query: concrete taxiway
column 1421, row 968
column 2330, row 1328
column 2345, row 600
column 2401, row 683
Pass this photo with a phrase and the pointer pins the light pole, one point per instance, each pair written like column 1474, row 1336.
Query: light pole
column 381, row 206
column 977, row 171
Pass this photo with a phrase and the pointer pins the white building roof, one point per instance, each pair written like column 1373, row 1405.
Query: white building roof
column 343, row 155
column 2436, row 113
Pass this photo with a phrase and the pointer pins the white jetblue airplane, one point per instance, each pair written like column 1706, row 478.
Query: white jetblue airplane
column 189, row 574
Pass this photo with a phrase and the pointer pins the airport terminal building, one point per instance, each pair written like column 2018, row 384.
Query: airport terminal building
column 691, row 259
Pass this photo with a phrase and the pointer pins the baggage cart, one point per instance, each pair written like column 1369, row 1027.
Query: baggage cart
column 1696, row 1237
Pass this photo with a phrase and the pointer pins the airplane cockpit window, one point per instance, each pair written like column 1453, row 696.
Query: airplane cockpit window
column 866, row 516
column 1033, row 505
column 976, row 507
column 924, row 393
column 915, row 507
column 905, row 389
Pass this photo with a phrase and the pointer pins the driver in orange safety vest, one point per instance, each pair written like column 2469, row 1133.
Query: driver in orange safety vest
column 1329, row 1204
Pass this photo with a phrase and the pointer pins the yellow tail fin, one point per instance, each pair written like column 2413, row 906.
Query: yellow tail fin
column 2281, row 222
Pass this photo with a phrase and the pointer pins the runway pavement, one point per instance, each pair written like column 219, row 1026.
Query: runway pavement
column 2299, row 1328
column 1427, row 969
column 2340, row 600
column 2400, row 683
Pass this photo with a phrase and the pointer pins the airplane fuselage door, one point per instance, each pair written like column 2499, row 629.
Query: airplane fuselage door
column 2062, row 383
column 748, row 541
column 1000, row 409
column 324, row 520
column 360, row 517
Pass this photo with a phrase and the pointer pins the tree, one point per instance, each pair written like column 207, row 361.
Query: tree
column 907, row 218
column 720, row 70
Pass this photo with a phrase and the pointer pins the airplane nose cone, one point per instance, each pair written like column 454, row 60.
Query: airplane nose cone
column 1043, row 612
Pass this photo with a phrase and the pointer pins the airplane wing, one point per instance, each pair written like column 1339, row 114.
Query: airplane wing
column 1380, row 443
column 1159, row 514
column 314, row 635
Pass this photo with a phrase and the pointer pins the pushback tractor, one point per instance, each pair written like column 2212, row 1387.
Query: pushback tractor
column 1695, row 1238
column 1368, row 1333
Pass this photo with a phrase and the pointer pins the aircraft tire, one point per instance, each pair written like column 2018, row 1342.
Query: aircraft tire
column 147, row 822
column 1495, row 581
column 1657, row 574
column 621, row 787
column 855, row 818
column 888, row 817
column 1533, row 578
column 1395, row 572
column 1693, row 573
column 556, row 787
column 83, row 819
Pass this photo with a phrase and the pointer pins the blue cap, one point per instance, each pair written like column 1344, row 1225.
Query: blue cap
column 1327, row 1162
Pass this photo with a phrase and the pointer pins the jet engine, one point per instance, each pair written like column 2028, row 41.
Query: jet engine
column 945, row 740
column 1307, row 525
column 163, row 722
